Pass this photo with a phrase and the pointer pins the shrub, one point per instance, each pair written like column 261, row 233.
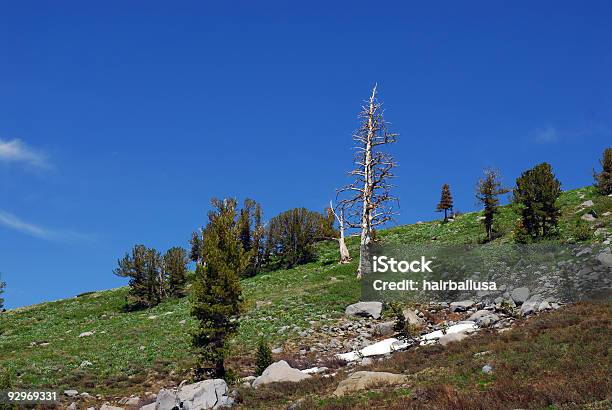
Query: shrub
column 264, row 357
column 583, row 231
column 400, row 319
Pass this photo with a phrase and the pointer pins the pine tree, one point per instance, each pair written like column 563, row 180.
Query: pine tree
column 535, row 196
column 293, row 233
column 446, row 201
column 2, row 287
column 175, row 270
column 487, row 193
column 217, row 294
column 603, row 180
column 245, row 224
column 195, row 253
column 155, row 280
column 134, row 267
column 259, row 247
column 264, row 357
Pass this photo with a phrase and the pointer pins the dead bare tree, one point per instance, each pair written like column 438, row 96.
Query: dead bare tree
column 370, row 202
column 345, row 257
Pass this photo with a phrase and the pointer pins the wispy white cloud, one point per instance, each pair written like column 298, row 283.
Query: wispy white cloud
column 546, row 135
column 16, row 150
column 15, row 223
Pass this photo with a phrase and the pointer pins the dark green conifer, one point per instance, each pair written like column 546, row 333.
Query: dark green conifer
column 217, row 294
column 291, row 235
column 487, row 193
column 134, row 267
column 175, row 270
column 535, row 196
column 603, row 180
column 195, row 253
column 2, row 287
column 446, row 201
column 264, row 357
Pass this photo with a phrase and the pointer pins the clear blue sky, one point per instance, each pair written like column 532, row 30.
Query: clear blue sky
column 119, row 120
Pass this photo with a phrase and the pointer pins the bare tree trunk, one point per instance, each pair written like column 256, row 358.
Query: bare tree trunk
column 371, row 189
column 366, row 215
column 345, row 257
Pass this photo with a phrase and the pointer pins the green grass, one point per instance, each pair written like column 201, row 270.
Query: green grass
column 130, row 352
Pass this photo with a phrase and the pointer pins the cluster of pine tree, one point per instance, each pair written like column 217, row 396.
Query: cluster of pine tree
column 286, row 240
column 251, row 234
column 236, row 244
column 153, row 276
column 292, row 234
column 535, row 197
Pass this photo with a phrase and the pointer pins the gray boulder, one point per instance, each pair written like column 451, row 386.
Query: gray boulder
column 280, row 372
column 484, row 318
column 462, row 305
column 412, row 318
column 384, row 329
column 520, row 295
column 365, row 309
column 605, row 257
column 207, row 394
column 588, row 217
column 451, row 338
column 529, row 307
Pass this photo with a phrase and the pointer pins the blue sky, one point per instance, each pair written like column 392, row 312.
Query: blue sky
column 120, row 120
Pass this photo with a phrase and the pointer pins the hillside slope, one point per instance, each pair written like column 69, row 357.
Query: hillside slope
column 90, row 344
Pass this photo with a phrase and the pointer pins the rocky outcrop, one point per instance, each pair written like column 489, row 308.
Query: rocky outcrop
column 365, row 380
column 280, row 372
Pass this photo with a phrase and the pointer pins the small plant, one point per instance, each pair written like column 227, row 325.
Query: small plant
column 400, row 319
column 520, row 234
column 583, row 231
column 264, row 357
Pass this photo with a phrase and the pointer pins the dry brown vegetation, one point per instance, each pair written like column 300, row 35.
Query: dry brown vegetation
column 556, row 360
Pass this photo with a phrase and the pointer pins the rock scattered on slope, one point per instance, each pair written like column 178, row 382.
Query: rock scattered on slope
column 452, row 337
column 520, row 295
column 206, row 394
column 412, row 318
column 366, row 309
column 280, row 372
column 461, row 306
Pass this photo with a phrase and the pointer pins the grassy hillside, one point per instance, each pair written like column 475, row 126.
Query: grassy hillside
column 138, row 351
